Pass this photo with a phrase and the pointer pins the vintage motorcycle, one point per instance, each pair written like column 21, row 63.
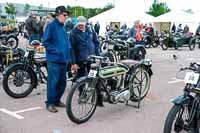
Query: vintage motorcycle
column 121, row 82
column 19, row 79
column 176, row 40
column 9, row 56
column 184, row 116
column 125, row 50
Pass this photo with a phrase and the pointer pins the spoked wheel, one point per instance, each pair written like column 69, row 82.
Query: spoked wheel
column 177, row 121
column 12, row 42
column 17, row 82
column 81, row 101
column 139, row 84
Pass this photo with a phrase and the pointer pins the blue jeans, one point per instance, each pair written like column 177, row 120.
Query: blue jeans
column 33, row 37
column 56, row 82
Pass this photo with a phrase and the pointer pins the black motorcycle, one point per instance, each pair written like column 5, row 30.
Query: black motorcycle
column 19, row 79
column 125, row 50
column 178, row 39
column 184, row 116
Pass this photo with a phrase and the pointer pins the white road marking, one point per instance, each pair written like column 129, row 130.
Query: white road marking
column 175, row 80
column 29, row 109
column 15, row 113
column 11, row 113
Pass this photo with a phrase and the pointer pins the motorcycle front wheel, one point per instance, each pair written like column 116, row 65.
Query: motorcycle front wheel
column 18, row 82
column 177, row 120
column 81, row 101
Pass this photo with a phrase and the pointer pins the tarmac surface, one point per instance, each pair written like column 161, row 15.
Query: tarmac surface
column 28, row 115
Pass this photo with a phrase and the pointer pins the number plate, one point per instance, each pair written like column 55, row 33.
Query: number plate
column 191, row 78
column 92, row 73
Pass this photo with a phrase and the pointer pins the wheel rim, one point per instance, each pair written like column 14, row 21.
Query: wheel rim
column 19, row 82
column 180, row 124
column 140, row 84
column 83, row 102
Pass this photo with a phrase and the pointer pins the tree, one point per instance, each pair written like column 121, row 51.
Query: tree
column 0, row 10
column 40, row 7
column 26, row 8
column 158, row 9
column 11, row 9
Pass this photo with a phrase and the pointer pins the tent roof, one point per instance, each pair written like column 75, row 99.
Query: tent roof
column 176, row 16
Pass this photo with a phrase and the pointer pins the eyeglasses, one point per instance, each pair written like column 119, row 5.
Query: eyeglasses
column 65, row 14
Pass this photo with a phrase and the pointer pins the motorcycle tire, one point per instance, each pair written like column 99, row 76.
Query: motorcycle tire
column 172, row 118
column 12, row 42
column 164, row 46
column 82, row 97
column 11, row 74
column 155, row 42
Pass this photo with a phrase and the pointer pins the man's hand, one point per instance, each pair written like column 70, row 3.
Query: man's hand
column 74, row 67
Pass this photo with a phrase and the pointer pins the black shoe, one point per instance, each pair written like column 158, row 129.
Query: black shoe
column 51, row 108
column 60, row 104
column 100, row 104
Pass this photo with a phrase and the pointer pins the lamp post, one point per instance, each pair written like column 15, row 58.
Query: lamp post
column 75, row 8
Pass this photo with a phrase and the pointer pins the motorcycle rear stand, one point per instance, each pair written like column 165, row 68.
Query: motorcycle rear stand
column 136, row 106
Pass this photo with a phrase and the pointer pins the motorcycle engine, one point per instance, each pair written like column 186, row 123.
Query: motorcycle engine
column 116, row 96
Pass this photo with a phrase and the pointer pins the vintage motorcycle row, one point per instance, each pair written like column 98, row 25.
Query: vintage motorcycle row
column 118, row 75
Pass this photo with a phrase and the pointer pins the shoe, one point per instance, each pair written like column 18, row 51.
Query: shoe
column 52, row 109
column 61, row 104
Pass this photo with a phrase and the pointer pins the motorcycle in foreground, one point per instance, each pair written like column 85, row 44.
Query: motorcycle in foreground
column 115, row 83
column 184, row 116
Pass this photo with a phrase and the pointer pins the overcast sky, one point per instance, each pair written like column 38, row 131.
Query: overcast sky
column 173, row 4
column 54, row 3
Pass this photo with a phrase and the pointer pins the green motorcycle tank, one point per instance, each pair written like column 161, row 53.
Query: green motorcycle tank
column 108, row 72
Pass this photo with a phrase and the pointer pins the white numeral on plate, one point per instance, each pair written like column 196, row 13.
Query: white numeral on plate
column 191, row 78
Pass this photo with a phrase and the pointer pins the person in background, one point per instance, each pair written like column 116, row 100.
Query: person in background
column 69, row 25
column 173, row 28
column 186, row 29
column 179, row 29
column 83, row 45
column 49, row 18
column 31, row 27
column 57, row 45
column 97, row 28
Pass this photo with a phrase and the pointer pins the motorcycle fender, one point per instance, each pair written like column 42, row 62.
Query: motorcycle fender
column 21, row 64
column 149, row 70
column 90, row 78
column 180, row 100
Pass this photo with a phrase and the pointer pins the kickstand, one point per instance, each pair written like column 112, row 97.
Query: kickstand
column 136, row 106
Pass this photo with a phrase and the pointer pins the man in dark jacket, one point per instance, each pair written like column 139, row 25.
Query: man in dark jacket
column 97, row 28
column 56, row 43
column 31, row 27
column 83, row 44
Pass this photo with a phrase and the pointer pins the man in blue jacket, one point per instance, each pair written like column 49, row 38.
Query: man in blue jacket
column 84, row 43
column 56, row 43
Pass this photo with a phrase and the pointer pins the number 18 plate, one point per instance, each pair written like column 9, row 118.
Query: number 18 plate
column 92, row 73
column 191, row 78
